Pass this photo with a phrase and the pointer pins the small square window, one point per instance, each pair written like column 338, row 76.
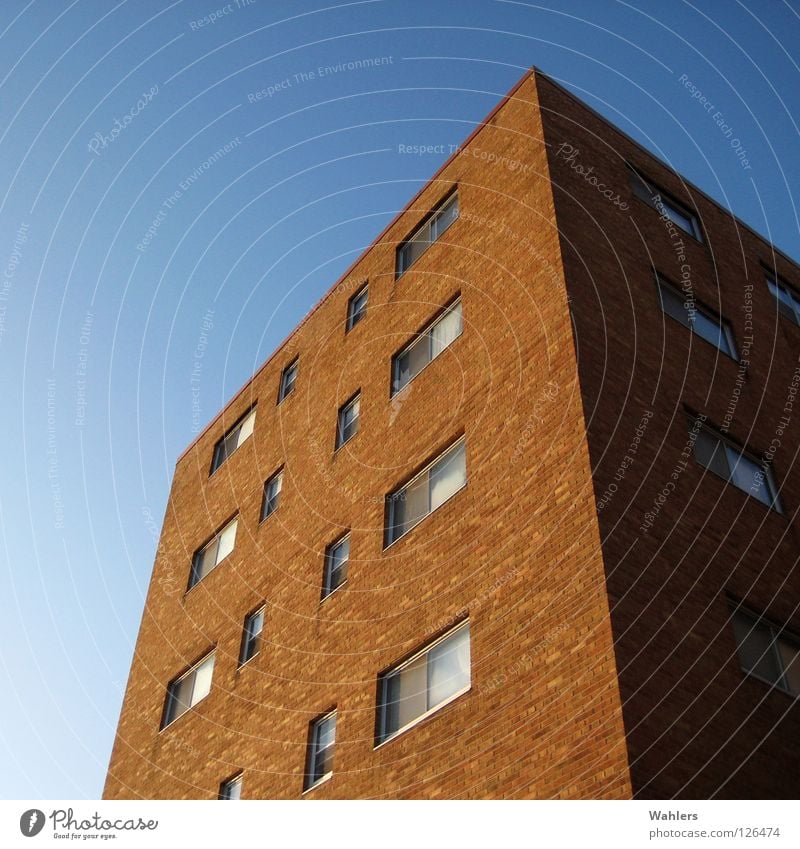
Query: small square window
column 347, row 423
column 665, row 205
column 431, row 230
column 288, row 378
column 787, row 300
column 233, row 439
column 336, row 557
column 190, row 688
column 213, row 552
column 321, row 744
column 357, row 307
column 767, row 651
column 231, row 789
column 272, row 494
column 251, row 636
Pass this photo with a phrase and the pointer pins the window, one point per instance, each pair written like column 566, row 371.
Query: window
column 699, row 320
column 736, row 466
column 251, row 637
column 426, row 491
column 357, row 307
column 766, row 652
column 231, row 789
column 240, row 432
column 665, row 205
column 213, row 552
column 336, row 557
column 416, row 245
column 429, row 680
column 321, row 743
column 185, row 692
column 288, row 378
column 788, row 301
column 272, row 494
column 347, row 425
column 428, row 344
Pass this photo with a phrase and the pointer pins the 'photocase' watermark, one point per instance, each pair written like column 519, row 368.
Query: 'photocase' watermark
column 100, row 141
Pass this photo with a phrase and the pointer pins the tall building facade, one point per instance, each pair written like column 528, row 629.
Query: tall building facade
column 511, row 513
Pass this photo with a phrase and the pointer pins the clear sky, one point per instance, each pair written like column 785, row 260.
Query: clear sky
column 237, row 185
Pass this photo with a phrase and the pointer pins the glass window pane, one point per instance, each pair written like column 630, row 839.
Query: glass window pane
column 202, row 680
column 448, row 667
column 410, row 505
column 448, row 475
column 748, row 475
column 756, row 651
column 446, row 330
column 790, row 658
column 678, row 217
column 180, row 697
column 412, row 361
column 405, row 695
column 232, row 790
column 227, row 539
column 673, row 304
column 445, row 217
column 710, row 452
column 246, row 428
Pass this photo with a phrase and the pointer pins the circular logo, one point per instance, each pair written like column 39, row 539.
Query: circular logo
column 31, row 822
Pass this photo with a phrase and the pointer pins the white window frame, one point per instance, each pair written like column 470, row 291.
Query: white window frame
column 168, row 717
column 384, row 737
column 312, row 754
column 194, row 577
column 774, row 282
column 426, row 337
column 327, row 589
column 665, row 287
column 731, row 448
column 652, row 195
column 286, row 388
column 249, row 637
column 354, row 316
column 777, row 635
column 429, row 226
column 267, row 500
column 225, row 788
column 355, row 401
column 394, row 496
column 244, row 425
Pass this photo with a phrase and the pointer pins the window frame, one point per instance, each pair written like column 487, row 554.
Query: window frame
column 391, row 496
column 214, row 538
column 170, row 698
column 277, row 474
column 726, row 329
column 247, row 638
column 647, row 191
column 312, row 755
column 381, row 736
column 356, row 317
column 327, row 571
column 775, row 279
column 238, row 780
column 283, row 393
column 216, row 464
column 425, row 331
column 428, row 222
column 776, row 504
column 355, row 398
column 777, row 634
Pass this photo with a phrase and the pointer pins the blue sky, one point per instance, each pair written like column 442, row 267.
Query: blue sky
column 239, row 183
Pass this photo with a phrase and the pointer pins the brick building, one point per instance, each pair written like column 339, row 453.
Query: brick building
column 511, row 513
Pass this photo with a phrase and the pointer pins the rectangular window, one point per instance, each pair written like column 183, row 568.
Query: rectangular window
column 416, row 245
column 240, row 432
column 272, row 494
column 336, row 557
column 251, row 637
column 288, row 378
column 665, row 205
column 698, row 319
column 426, row 491
column 767, row 652
column 428, row 344
column 231, row 789
column 321, row 743
column 347, row 424
column 788, row 301
column 740, row 468
column 429, row 680
column 357, row 307
column 185, row 692
column 213, row 553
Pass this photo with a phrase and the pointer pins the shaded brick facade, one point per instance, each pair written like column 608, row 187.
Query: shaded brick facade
column 602, row 664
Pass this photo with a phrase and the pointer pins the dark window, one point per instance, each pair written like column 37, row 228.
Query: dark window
column 357, row 307
column 416, row 245
column 241, row 431
column 288, row 378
